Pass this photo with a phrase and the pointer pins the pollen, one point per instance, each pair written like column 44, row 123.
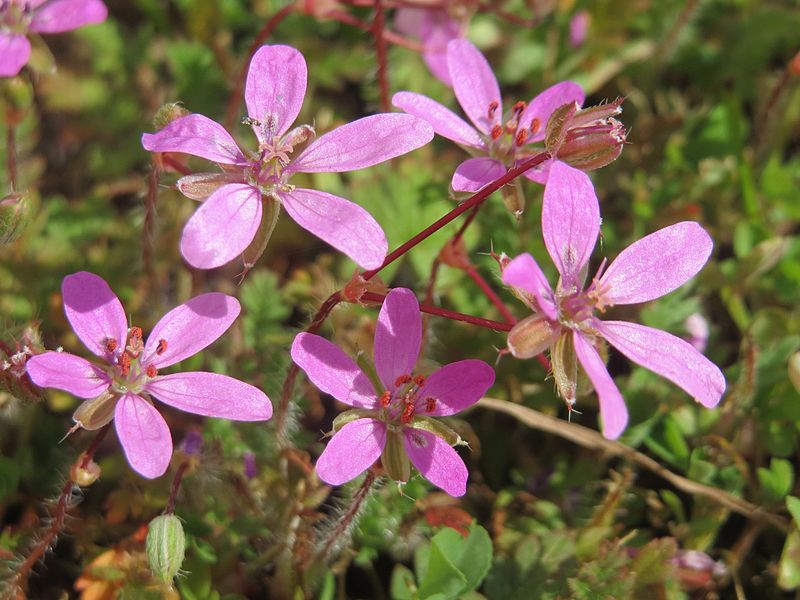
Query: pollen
column 151, row 371
column 135, row 333
column 408, row 414
column 402, row 380
column 385, row 399
column 535, row 125
column 430, row 404
column 419, row 379
column 111, row 345
column 125, row 364
column 162, row 347
column 521, row 138
column 497, row 131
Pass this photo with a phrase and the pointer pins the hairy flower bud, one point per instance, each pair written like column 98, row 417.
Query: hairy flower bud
column 84, row 475
column 14, row 217
column 530, row 336
column 165, row 547
column 167, row 114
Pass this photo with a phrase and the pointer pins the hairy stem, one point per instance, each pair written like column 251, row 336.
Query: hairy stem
column 175, row 487
column 346, row 520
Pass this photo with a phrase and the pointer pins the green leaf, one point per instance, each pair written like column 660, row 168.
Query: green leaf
column 9, row 477
column 441, row 576
column 403, row 586
column 793, row 504
column 777, row 481
column 789, row 566
column 472, row 556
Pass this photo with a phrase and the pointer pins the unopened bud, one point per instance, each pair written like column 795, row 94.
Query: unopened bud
column 557, row 126
column 394, row 458
column 594, row 150
column 530, row 336
column 165, row 547
column 14, row 217
column 84, row 475
column 167, row 114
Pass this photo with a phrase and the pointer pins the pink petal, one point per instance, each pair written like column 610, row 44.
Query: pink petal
column 475, row 173
column 523, row 272
column 222, row 227
column 398, row 336
column 199, row 136
column 94, row 311
column 444, row 121
column 15, row 50
column 543, row 105
column 190, row 327
column 570, row 220
column 612, row 406
column 657, row 264
column 352, row 450
column 212, row 395
column 540, row 172
column 64, row 15
column 332, row 371
column 144, row 435
column 363, row 143
column 669, row 356
column 341, row 223
column 437, row 29
column 67, row 372
column 408, row 21
column 455, row 387
column 474, row 84
column 276, row 86
column 579, row 27
column 436, row 460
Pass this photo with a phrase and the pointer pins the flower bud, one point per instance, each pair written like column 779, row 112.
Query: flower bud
column 394, row 458
column 165, row 547
column 530, row 336
column 84, row 475
column 14, row 217
column 167, row 114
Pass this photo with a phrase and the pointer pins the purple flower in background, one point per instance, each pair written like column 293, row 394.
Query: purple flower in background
column 393, row 422
column 500, row 140
column 121, row 387
column 565, row 321
column 579, row 27
column 229, row 219
column 19, row 17
column 435, row 28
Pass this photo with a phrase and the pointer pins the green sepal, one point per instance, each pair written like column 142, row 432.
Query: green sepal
column 365, row 364
column 349, row 416
column 564, row 362
column 437, row 428
column 272, row 210
column 394, row 458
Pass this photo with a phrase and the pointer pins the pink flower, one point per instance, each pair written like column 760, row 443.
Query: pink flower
column 579, row 27
column 499, row 140
column 121, row 385
column 393, row 421
column 434, row 28
column 229, row 219
column 565, row 320
column 18, row 17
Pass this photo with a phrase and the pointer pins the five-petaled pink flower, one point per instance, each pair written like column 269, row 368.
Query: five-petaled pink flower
column 228, row 221
column 121, row 386
column 397, row 417
column 499, row 140
column 18, row 17
column 565, row 320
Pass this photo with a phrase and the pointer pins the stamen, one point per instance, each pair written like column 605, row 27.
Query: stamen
column 385, row 399
column 522, row 136
column 497, row 131
column 135, row 333
column 419, row 379
column 493, row 106
column 125, row 364
column 162, row 347
column 535, row 125
column 151, row 371
column 408, row 414
column 518, row 108
column 402, row 380
column 430, row 404
column 111, row 345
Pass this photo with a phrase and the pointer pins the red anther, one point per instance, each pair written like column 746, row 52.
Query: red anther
column 111, row 345
column 408, row 414
column 535, row 125
column 135, row 333
column 497, row 131
column 493, row 106
column 518, row 108
column 419, row 379
column 522, row 136
column 125, row 364
column 430, row 404
column 151, row 371
column 402, row 380
column 162, row 347
column 385, row 399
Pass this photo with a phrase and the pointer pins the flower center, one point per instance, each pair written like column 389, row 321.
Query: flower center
column 400, row 406
column 15, row 15
column 274, row 155
column 576, row 307
column 127, row 371
column 507, row 136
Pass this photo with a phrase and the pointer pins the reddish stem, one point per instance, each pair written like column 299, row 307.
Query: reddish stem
column 490, row 293
column 266, row 31
column 176, row 485
column 447, row 314
column 474, row 200
column 11, row 154
column 149, row 224
column 378, row 25
column 170, row 162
